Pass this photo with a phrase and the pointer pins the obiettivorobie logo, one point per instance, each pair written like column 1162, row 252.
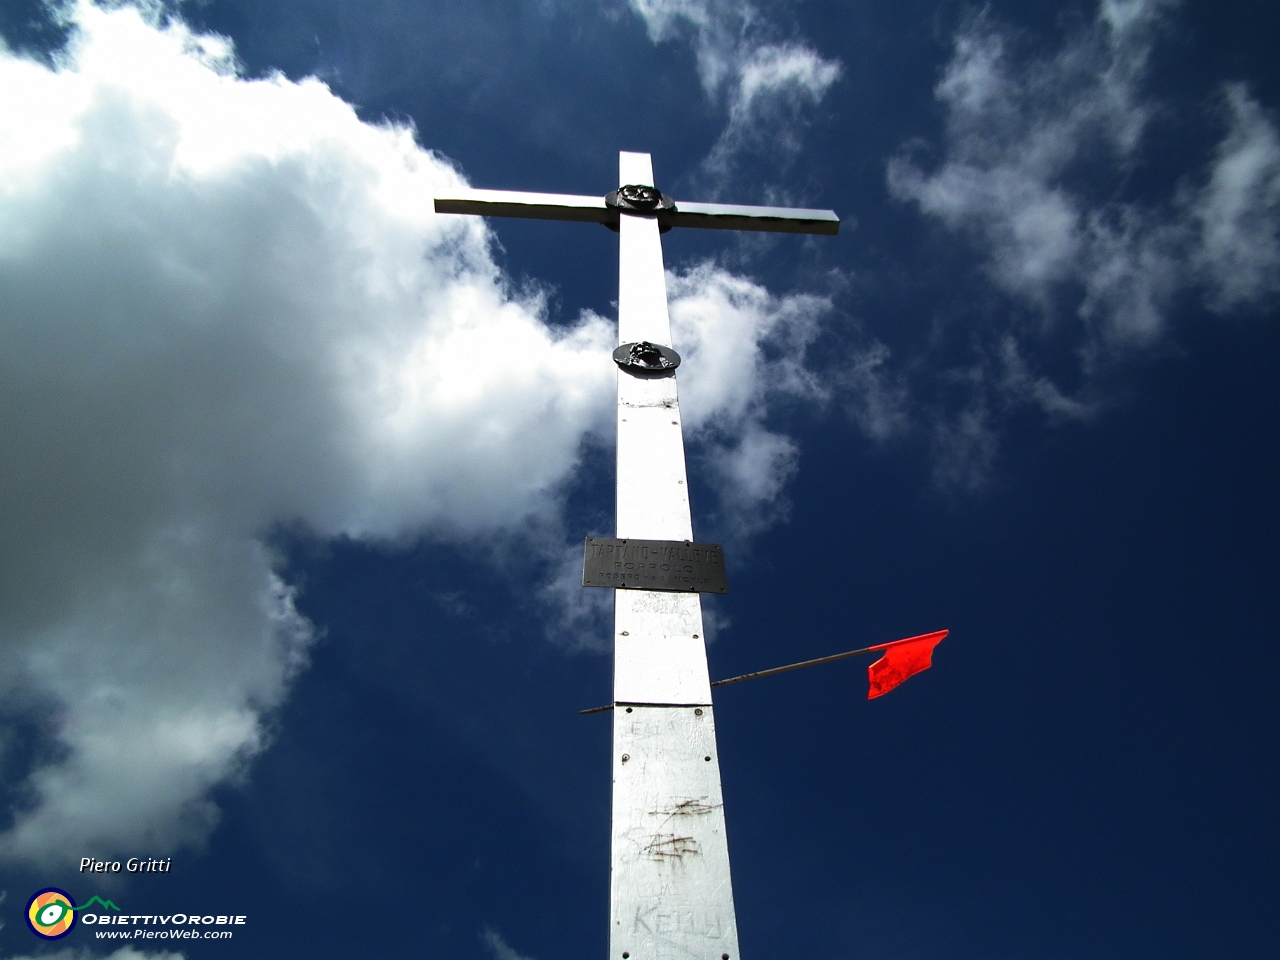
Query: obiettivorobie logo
column 51, row 915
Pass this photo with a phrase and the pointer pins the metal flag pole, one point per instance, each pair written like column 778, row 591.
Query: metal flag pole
column 924, row 639
column 671, row 897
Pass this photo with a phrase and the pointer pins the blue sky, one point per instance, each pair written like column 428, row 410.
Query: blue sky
column 297, row 472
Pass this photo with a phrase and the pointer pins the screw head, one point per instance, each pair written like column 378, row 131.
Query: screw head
column 625, row 634
column 628, row 709
column 626, row 757
column 708, row 759
column 697, row 711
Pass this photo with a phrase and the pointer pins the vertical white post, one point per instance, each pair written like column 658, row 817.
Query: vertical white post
column 670, row 893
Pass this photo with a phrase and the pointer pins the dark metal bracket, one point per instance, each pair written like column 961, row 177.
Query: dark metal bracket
column 639, row 198
column 646, row 357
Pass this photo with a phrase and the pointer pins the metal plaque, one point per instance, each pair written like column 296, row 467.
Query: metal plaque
column 675, row 565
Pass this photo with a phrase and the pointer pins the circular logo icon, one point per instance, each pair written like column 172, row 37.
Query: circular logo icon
column 51, row 913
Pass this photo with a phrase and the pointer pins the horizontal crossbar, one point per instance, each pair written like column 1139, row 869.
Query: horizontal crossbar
column 561, row 206
column 532, row 206
column 728, row 216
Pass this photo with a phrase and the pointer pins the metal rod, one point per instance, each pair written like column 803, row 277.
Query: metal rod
column 802, row 663
column 793, row 666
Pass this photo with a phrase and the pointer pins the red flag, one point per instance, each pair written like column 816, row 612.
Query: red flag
column 902, row 659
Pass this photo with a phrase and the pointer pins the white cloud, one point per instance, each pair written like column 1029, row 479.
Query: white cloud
column 875, row 397
column 1020, row 383
column 1238, row 210
column 499, row 946
column 1037, row 154
column 124, row 953
column 745, row 349
column 965, row 449
column 1016, row 134
column 577, row 619
column 225, row 306
column 775, row 85
column 766, row 85
column 228, row 305
column 718, row 29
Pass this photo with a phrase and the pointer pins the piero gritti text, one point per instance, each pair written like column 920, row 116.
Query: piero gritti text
column 132, row 865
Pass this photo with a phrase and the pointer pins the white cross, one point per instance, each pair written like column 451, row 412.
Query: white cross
column 670, row 893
